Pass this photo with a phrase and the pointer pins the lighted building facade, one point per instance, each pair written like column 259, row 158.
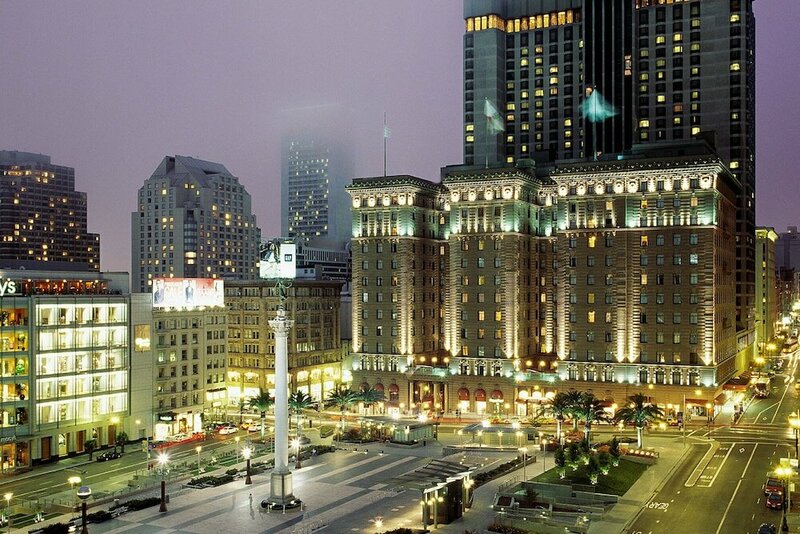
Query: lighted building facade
column 64, row 348
column 494, row 289
column 315, row 348
column 670, row 71
column 194, row 220
column 42, row 216
column 767, row 303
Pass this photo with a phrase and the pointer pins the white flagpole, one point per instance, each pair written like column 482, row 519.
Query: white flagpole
column 385, row 139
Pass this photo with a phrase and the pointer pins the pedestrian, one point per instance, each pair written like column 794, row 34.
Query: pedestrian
column 250, row 496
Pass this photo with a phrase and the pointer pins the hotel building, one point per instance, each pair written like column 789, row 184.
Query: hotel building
column 497, row 287
column 194, row 220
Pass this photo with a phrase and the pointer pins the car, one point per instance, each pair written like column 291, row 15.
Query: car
column 178, row 437
column 775, row 501
column 256, row 427
column 108, row 455
column 228, row 429
column 773, row 485
column 767, row 528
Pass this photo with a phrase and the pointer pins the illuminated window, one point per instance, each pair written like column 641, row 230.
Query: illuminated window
column 590, row 317
column 592, row 241
column 644, row 123
column 735, row 17
column 736, row 67
column 643, row 241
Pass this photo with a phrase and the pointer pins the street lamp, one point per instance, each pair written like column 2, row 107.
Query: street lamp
column 794, row 422
column 786, row 472
column 8, row 497
column 163, row 468
column 524, row 451
column 544, row 454
column 198, row 449
column 500, row 438
column 480, row 438
column 247, row 452
column 84, row 492
column 296, row 445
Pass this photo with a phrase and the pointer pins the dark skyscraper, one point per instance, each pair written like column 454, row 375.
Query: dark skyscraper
column 670, row 70
column 42, row 216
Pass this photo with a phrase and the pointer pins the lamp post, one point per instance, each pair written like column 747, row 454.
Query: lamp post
column 786, row 472
column 8, row 497
column 794, row 422
column 236, row 439
column 163, row 468
column 500, row 438
column 524, row 451
column 296, row 445
column 544, row 454
column 84, row 492
column 247, row 452
column 519, row 438
column 480, row 438
column 198, row 449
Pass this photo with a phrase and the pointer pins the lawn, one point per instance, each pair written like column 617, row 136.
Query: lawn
column 616, row 482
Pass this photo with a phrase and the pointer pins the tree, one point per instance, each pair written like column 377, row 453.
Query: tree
column 573, row 400
column 560, row 408
column 242, row 404
column 370, row 397
column 593, row 468
column 122, row 438
column 613, row 450
column 342, row 399
column 299, row 401
column 262, row 402
column 89, row 446
column 639, row 413
column 590, row 410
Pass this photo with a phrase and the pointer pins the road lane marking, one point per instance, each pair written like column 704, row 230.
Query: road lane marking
column 719, row 468
column 785, row 390
column 764, row 410
column 701, row 465
column 738, row 485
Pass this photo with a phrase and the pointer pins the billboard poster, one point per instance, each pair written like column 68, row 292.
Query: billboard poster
column 188, row 292
column 278, row 260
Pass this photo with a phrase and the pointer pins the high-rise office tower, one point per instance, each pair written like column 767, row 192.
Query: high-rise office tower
column 42, row 216
column 314, row 204
column 194, row 221
column 664, row 71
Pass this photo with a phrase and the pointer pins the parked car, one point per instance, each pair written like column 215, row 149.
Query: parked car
column 773, row 485
column 775, row 501
column 228, row 429
column 256, row 427
column 767, row 528
column 178, row 437
column 108, row 455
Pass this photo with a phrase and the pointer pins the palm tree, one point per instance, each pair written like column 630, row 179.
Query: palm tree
column 299, row 401
column 369, row 397
column 590, row 410
column 639, row 413
column 573, row 400
column 262, row 402
column 343, row 399
column 560, row 408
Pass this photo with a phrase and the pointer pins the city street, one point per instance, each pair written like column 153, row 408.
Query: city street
column 718, row 487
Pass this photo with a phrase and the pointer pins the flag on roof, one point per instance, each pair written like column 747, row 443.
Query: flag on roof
column 494, row 122
column 596, row 109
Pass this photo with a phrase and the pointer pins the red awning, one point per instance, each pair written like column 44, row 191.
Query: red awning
column 394, row 388
column 480, row 395
column 463, row 394
column 497, row 395
column 379, row 387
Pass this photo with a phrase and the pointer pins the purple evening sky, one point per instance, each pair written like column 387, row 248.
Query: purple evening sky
column 111, row 87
